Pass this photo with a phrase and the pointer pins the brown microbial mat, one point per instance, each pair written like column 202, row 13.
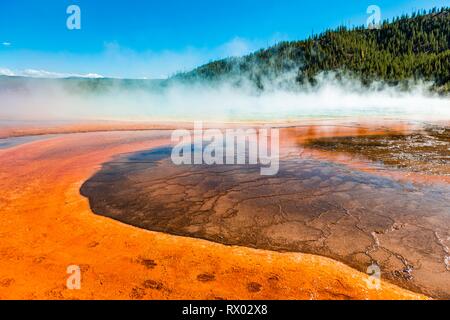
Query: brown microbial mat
column 425, row 151
column 311, row 205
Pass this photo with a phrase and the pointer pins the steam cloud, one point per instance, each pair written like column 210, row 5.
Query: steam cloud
column 55, row 100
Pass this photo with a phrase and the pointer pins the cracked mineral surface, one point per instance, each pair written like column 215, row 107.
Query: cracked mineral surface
column 425, row 151
column 311, row 205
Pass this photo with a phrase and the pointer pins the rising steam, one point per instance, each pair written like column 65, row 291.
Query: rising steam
column 26, row 99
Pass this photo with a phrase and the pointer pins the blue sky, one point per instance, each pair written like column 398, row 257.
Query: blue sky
column 153, row 39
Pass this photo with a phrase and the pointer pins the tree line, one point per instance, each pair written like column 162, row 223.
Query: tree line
column 408, row 48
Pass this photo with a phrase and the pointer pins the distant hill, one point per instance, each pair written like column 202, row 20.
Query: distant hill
column 413, row 47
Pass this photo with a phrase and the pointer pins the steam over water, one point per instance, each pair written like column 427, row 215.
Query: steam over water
column 71, row 99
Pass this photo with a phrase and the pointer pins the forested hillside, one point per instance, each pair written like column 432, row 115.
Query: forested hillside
column 413, row 47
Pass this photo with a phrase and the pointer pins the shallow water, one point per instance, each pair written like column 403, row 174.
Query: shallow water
column 15, row 141
column 311, row 206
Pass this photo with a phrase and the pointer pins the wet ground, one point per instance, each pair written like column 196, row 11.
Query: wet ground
column 312, row 206
column 424, row 151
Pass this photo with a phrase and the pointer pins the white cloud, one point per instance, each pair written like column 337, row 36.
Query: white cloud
column 6, row 72
column 121, row 62
column 49, row 74
column 33, row 73
column 6, row 44
column 238, row 47
column 162, row 64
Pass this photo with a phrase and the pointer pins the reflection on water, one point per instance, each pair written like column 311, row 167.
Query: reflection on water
column 15, row 141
